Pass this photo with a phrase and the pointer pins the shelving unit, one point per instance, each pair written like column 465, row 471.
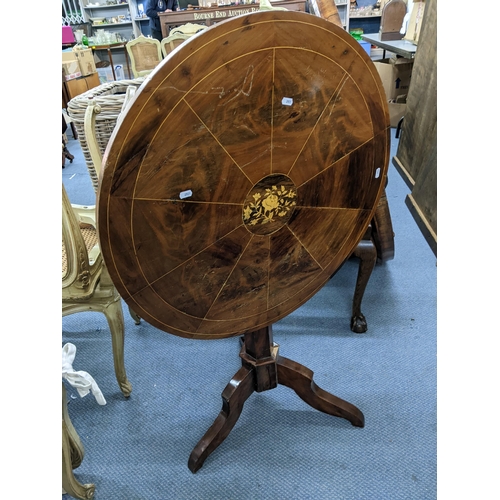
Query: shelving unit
column 369, row 24
column 134, row 25
column 366, row 16
column 122, row 14
column 141, row 23
column 343, row 7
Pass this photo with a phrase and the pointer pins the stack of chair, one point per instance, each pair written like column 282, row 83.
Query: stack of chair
column 178, row 36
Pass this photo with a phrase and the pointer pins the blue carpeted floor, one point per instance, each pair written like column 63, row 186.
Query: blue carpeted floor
column 280, row 448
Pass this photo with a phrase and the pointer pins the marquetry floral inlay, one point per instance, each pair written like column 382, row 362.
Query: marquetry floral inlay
column 274, row 203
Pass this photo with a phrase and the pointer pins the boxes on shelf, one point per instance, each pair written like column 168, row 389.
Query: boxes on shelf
column 396, row 112
column 70, row 65
column 80, row 85
column 105, row 72
column 395, row 74
column 366, row 45
column 415, row 22
column 357, row 34
column 85, row 59
column 376, row 53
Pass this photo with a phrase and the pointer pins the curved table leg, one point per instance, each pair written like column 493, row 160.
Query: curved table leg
column 72, row 456
column 233, row 397
column 382, row 230
column 300, row 379
column 262, row 370
column 367, row 254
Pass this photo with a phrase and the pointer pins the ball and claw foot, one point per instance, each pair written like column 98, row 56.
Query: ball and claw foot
column 359, row 324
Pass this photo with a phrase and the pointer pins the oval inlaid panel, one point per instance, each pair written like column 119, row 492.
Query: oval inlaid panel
column 244, row 173
column 270, row 204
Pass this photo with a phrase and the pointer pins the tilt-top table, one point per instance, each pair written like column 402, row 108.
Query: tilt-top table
column 243, row 175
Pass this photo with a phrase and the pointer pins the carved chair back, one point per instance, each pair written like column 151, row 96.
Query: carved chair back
column 178, row 36
column 145, row 54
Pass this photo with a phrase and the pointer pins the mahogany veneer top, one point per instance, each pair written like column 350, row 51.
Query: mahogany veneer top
column 245, row 172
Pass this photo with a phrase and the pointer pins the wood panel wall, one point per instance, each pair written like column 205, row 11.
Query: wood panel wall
column 416, row 157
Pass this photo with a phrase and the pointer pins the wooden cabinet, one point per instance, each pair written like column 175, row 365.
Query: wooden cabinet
column 78, row 86
column 210, row 16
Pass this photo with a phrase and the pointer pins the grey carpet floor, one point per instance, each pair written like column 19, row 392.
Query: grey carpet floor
column 280, row 448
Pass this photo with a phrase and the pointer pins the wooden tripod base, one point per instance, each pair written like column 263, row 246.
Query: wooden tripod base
column 263, row 369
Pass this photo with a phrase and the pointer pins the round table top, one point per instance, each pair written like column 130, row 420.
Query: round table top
column 244, row 173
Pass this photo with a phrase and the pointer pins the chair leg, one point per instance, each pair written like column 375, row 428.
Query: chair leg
column 367, row 254
column 73, row 130
column 68, row 155
column 134, row 316
column 72, row 456
column 114, row 316
column 398, row 128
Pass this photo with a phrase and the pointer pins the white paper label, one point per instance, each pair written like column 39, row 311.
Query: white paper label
column 185, row 194
column 377, row 173
column 287, row 101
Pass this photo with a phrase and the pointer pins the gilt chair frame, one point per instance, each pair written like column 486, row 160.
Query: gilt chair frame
column 135, row 62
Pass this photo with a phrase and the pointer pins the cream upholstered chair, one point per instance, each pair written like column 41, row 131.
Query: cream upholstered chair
column 172, row 41
column 145, row 55
column 266, row 5
column 86, row 285
column 178, row 36
column 89, row 131
column 188, row 29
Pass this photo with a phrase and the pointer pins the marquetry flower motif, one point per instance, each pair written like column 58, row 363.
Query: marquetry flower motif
column 275, row 203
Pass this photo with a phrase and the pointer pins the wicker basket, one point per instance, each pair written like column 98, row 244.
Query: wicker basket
column 110, row 97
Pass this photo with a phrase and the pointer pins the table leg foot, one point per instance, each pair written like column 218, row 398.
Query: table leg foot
column 300, row 379
column 233, row 397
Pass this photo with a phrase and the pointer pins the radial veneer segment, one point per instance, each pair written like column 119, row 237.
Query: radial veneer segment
column 245, row 293
column 193, row 286
column 172, row 232
column 239, row 116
